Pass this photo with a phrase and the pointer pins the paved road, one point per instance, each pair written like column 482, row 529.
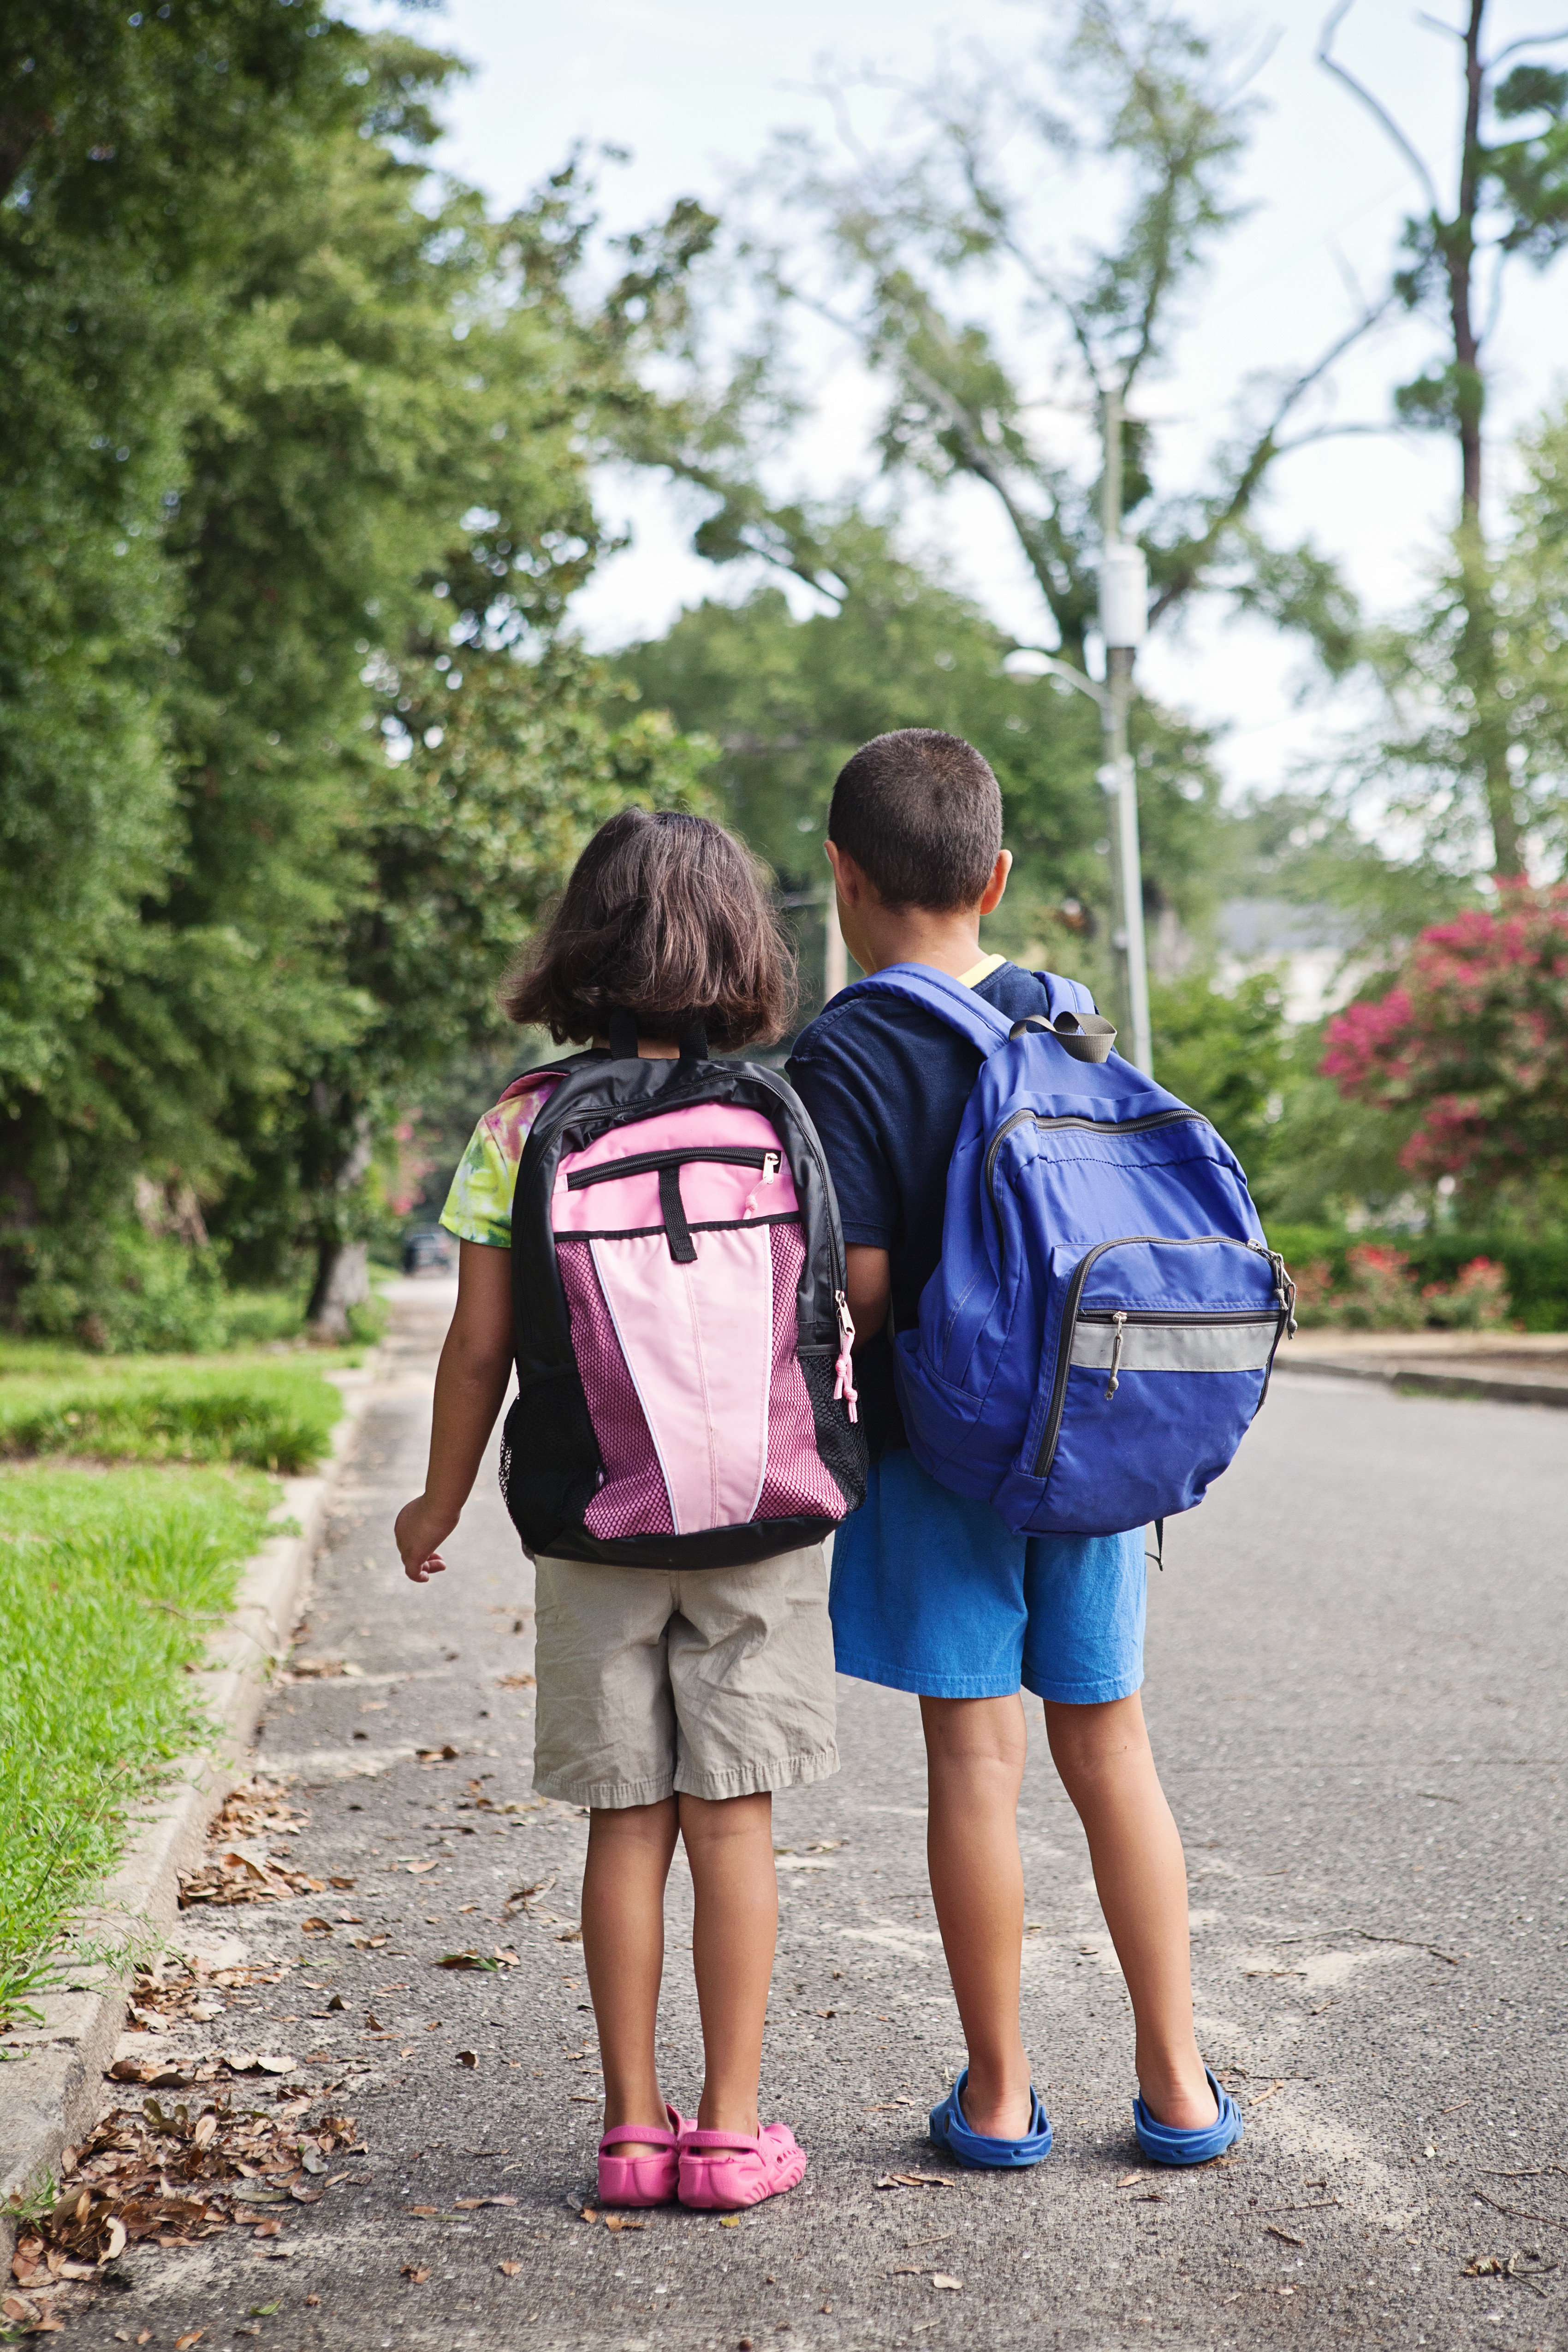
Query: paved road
column 1356, row 1683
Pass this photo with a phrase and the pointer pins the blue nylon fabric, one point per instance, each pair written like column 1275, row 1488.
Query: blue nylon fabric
column 979, row 1378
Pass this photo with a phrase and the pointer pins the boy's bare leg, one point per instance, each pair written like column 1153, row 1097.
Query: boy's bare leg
column 729, row 1845
column 1108, row 1770
column 629, row 1852
column 975, row 1749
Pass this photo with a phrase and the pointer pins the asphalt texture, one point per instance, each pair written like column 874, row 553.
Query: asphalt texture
column 1356, row 1687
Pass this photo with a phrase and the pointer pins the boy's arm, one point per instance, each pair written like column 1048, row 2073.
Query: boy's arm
column 869, row 1287
column 470, row 1382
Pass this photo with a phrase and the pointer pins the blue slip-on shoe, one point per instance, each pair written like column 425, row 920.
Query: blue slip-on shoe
column 950, row 2130
column 1166, row 2145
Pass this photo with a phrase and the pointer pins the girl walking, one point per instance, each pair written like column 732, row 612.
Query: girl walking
column 667, row 1274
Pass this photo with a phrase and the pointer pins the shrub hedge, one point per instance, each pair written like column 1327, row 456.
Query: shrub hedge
column 1537, row 1271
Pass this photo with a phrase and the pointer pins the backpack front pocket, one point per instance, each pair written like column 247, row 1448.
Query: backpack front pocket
column 1162, row 1354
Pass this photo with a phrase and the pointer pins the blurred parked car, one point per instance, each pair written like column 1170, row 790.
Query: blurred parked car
column 428, row 1249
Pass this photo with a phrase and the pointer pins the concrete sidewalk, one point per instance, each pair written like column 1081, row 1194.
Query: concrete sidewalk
column 1508, row 1367
column 1357, row 1663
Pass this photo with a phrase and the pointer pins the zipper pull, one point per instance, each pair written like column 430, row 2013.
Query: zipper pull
column 772, row 1162
column 1120, row 1320
column 844, row 1369
column 1285, row 1291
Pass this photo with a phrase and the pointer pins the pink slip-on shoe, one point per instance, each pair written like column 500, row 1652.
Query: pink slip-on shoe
column 725, row 2169
column 641, row 2179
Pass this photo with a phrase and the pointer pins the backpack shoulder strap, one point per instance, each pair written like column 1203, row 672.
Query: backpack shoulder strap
column 548, row 1073
column 966, row 1011
column 935, row 992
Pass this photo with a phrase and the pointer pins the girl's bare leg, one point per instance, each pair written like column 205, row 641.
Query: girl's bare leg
column 729, row 1845
column 629, row 1852
column 1108, row 1770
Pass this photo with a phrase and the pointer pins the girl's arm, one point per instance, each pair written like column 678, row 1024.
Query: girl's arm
column 470, row 1382
column 870, row 1289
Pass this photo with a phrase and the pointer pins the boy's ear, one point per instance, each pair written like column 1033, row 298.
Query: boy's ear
column 991, row 897
column 852, row 884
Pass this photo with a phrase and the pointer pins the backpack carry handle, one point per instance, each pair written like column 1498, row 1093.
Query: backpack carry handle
column 1088, row 1039
column 622, row 1030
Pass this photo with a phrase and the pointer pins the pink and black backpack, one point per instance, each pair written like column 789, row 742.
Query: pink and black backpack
column 679, row 1316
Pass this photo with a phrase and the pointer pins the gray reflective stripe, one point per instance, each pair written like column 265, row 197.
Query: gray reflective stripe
column 1176, row 1347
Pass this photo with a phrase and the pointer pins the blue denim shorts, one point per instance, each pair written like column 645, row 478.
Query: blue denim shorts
column 935, row 1594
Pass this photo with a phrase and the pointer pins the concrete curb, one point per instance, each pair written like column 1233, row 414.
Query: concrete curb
column 51, row 2097
column 1496, row 1387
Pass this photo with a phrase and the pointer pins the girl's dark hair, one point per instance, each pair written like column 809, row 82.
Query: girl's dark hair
column 665, row 916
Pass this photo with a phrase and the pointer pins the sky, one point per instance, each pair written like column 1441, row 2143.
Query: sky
column 693, row 88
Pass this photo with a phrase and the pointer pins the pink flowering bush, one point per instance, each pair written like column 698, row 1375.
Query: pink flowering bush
column 1476, row 1301
column 1474, row 1041
column 1379, row 1292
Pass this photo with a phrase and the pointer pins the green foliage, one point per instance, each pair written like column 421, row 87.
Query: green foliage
column 1458, row 725
column 109, row 1585
column 1536, row 1271
column 1229, row 1056
column 787, row 700
column 298, row 489
column 131, row 1292
column 1470, row 1050
column 964, row 294
column 273, row 1415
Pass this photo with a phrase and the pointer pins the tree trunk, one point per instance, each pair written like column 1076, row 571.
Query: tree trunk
column 343, row 1280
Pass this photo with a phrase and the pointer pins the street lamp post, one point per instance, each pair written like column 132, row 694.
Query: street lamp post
column 1123, row 622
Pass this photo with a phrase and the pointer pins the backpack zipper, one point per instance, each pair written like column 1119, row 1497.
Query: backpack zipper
column 1045, row 1453
column 1094, row 1126
column 769, row 1084
column 648, row 1163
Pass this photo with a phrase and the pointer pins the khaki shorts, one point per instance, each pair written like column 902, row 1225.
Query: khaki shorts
column 713, row 1682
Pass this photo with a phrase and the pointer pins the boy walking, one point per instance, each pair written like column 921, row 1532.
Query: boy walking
column 932, row 1592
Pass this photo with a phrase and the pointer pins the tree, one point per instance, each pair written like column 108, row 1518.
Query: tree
column 1470, row 1049
column 787, row 700
column 919, row 248
column 1509, row 201
column 336, row 476
column 120, row 135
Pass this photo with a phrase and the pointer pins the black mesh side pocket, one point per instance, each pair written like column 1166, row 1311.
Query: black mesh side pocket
column 840, row 1442
column 550, row 1469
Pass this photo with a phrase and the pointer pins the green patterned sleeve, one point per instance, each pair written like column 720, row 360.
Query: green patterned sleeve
column 478, row 1206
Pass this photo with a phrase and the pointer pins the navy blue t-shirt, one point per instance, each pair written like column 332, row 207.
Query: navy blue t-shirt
column 886, row 1084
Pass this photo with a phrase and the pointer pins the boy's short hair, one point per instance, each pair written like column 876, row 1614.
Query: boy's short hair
column 921, row 814
column 665, row 916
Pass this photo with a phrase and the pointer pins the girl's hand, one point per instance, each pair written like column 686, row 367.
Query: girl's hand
column 419, row 1532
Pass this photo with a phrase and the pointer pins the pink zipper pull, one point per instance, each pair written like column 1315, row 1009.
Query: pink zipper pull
column 844, row 1369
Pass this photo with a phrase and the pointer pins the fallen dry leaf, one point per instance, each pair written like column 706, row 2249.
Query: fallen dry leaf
column 415, row 2276
column 472, row 2204
column 729, row 2221
column 509, row 2270
column 1272, row 2229
column 941, row 2278
column 192, row 2335
column 915, row 2181
column 468, row 1960
column 619, row 2221
column 416, row 1869
column 426, row 2212
column 515, row 1682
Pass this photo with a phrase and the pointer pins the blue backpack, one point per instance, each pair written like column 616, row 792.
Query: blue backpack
column 1101, row 1327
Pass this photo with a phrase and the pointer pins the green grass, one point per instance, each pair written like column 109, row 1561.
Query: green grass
column 110, row 1582
column 272, row 1414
